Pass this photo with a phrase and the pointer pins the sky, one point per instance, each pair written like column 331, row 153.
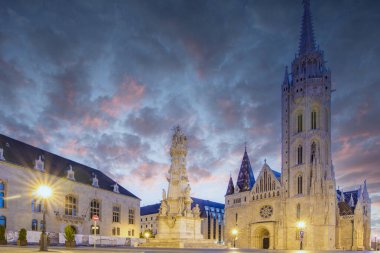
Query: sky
column 104, row 82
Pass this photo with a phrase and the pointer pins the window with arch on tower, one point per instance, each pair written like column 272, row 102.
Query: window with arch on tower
column 299, row 184
column 314, row 120
column 299, row 123
column 299, row 154
column 313, row 152
column 298, row 211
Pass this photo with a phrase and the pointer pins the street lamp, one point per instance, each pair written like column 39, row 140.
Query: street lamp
column 234, row 233
column 44, row 192
column 301, row 226
column 147, row 235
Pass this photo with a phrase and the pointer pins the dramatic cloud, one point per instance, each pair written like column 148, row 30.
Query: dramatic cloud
column 103, row 83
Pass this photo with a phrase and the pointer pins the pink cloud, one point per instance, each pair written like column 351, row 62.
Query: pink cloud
column 72, row 147
column 94, row 122
column 128, row 96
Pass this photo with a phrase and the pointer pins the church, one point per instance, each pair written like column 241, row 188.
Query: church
column 299, row 208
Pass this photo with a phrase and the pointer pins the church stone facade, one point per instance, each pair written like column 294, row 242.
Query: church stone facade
column 267, row 211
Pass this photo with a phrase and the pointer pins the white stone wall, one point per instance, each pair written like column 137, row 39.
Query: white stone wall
column 21, row 184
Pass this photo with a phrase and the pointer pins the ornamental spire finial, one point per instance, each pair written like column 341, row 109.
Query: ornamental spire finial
column 307, row 41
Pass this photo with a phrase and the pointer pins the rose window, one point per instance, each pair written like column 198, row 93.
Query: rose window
column 266, row 211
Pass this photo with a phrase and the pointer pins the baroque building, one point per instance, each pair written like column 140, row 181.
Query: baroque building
column 211, row 213
column 299, row 207
column 79, row 192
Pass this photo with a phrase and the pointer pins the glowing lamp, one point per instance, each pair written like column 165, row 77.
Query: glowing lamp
column 44, row 191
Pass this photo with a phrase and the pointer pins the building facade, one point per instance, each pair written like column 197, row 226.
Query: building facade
column 300, row 207
column 79, row 192
column 212, row 214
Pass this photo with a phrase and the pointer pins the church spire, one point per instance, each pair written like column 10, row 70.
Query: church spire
column 307, row 41
column 246, row 179
column 230, row 188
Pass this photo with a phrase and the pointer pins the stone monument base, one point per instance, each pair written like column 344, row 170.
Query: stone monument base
column 180, row 232
column 184, row 243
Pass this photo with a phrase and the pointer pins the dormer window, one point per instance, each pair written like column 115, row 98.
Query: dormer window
column 2, row 154
column 116, row 188
column 95, row 181
column 39, row 164
column 70, row 173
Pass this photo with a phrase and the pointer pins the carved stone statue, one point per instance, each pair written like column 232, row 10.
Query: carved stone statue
column 187, row 191
column 163, row 208
column 196, row 211
column 163, row 194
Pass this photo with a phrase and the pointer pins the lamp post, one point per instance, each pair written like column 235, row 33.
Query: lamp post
column 147, row 235
column 301, row 226
column 44, row 192
column 234, row 233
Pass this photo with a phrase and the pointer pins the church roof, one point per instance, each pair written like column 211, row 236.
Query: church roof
column 345, row 207
column 25, row 155
column 277, row 174
column 246, row 179
column 203, row 205
column 230, row 188
column 307, row 41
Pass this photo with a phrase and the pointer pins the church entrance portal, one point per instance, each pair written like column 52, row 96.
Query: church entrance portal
column 261, row 238
column 266, row 243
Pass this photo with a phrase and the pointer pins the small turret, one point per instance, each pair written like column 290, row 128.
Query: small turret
column 342, row 196
column 351, row 203
column 230, row 188
column 365, row 191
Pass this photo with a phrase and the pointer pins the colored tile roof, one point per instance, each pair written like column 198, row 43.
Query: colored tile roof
column 23, row 154
column 246, row 179
column 155, row 208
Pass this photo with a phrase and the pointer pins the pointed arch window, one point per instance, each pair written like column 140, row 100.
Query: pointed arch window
column 299, row 123
column 299, row 184
column 314, row 119
column 299, row 154
column 313, row 152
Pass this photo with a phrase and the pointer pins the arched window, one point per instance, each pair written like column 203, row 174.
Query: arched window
column 313, row 152
column 299, row 184
column 299, row 123
column 298, row 211
column 94, row 208
column 314, row 119
column 70, row 205
column 34, row 225
column 36, row 205
column 2, row 194
column 299, row 154
column 3, row 221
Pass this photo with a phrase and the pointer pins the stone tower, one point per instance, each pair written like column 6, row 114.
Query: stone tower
column 308, row 178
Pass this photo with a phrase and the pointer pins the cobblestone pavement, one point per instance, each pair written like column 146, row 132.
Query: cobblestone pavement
column 15, row 249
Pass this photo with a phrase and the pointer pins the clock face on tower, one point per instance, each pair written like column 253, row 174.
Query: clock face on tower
column 266, row 211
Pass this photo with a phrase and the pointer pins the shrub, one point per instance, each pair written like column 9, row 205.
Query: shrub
column 22, row 234
column 2, row 233
column 69, row 234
